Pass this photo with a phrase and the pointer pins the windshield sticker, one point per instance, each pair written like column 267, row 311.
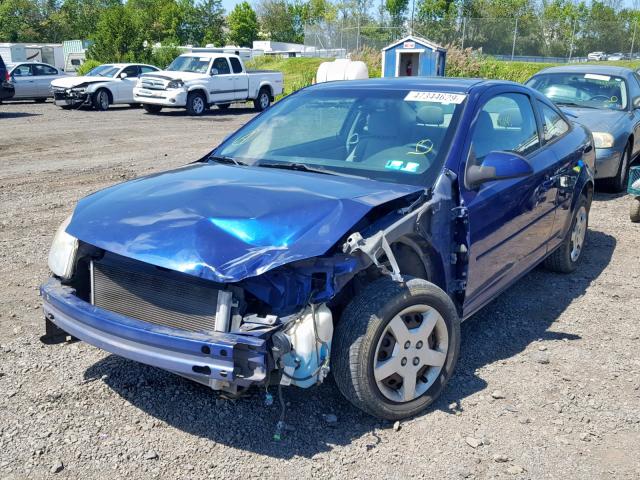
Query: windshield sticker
column 436, row 97
column 400, row 165
column 595, row 76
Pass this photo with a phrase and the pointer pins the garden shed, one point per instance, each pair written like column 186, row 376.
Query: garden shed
column 413, row 57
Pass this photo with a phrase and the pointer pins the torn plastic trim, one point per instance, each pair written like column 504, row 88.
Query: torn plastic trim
column 427, row 217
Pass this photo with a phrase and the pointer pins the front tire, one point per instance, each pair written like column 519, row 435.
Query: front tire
column 634, row 210
column 567, row 256
column 619, row 182
column 196, row 104
column 263, row 100
column 395, row 348
column 101, row 100
column 152, row 108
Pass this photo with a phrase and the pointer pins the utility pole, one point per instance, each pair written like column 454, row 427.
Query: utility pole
column 413, row 9
column 573, row 36
column 513, row 46
column 464, row 27
column 633, row 40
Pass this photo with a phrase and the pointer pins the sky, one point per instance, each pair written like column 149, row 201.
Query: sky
column 229, row 4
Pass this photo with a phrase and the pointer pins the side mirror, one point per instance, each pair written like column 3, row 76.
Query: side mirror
column 636, row 102
column 123, row 75
column 498, row 166
column 214, row 71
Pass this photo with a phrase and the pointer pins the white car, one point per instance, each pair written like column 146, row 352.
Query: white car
column 597, row 56
column 105, row 85
column 196, row 81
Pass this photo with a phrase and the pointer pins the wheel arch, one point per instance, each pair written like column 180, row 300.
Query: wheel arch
column 199, row 89
column 266, row 86
column 109, row 92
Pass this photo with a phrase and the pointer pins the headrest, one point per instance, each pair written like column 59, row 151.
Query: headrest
column 430, row 115
column 510, row 118
column 484, row 123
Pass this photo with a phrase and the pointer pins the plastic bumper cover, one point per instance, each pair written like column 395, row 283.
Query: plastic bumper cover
column 165, row 98
column 607, row 162
column 216, row 359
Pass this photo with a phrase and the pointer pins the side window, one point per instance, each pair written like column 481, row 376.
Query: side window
column 554, row 125
column 44, row 70
column 505, row 123
column 146, row 69
column 132, row 71
column 221, row 65
column 22, row 71
column 235, row 65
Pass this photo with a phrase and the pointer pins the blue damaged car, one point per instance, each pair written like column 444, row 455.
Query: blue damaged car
column 349, row 228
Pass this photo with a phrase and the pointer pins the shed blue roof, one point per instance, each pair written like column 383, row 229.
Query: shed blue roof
column 413, row 38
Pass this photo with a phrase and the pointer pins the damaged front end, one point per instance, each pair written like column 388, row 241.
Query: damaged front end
column 273, row 324
column 72, row 96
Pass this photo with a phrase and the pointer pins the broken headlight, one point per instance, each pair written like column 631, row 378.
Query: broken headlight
column 175, row 84
column 63, row 251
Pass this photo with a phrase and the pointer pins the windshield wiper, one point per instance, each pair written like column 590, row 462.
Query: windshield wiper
column 573, row 104
column 302, row 167
column 227, row 160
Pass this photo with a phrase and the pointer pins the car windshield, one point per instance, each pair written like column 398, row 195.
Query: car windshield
column 103, row 71
column 590, row 90
column 187, row 63
column 397, row 136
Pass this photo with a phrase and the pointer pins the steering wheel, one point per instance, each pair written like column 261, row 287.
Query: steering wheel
column 352, row 142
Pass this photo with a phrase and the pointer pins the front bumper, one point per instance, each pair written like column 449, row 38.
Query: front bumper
column 165, row 98
column 69, row 98
column 219, row 360
column 607, row 162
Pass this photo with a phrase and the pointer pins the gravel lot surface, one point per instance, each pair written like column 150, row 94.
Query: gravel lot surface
column 548, row 383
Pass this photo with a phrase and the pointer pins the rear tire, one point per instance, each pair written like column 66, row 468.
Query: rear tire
column 634, row 210
column 196, row 104
column 263, row 100
column 567, row 256
column 152, row 108
column 101, row 100
column 619, row 182
column 382, row 357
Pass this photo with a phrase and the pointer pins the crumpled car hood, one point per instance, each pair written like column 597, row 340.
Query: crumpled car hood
column 70, row 82
column 597, row 120
column 225, row 223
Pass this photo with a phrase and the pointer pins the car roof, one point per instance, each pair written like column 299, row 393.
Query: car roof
column 445, row 84
column 588, row 68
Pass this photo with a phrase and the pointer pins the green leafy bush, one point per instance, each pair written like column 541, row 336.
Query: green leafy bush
column 163, row 56
column 86, row 66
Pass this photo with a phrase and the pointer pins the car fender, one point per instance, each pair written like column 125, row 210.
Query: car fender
column 267, row 84
column 199, row 87
column 94, row 87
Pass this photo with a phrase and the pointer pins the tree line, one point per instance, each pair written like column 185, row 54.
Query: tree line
column 127, row 30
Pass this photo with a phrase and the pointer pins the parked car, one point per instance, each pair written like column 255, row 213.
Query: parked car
column 32, row 80
column 606, row 100
column 618, row 56
column 196, row 81
column 7, row 89
column 105, row 85
column 597, row 56
column 634, row 190
column 350, row 226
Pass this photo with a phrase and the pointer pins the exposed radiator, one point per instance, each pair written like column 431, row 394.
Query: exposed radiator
column 153, row 295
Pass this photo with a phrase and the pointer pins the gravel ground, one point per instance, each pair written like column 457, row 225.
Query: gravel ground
column 548, row 383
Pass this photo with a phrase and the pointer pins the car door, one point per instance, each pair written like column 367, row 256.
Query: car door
column 24, row 81
column 44, row 75
column 510, row 221
column 240, row 80
column 221, row 85
column 634, row 93
column 125, row 85
column 562, row 179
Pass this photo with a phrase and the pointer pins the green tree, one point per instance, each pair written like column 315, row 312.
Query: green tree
column 117, row 37
column 20, row 20
column 397, row 10
column 243, row 25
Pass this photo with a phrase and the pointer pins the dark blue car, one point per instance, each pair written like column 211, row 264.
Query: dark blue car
column 607, row 101
column 352, row 226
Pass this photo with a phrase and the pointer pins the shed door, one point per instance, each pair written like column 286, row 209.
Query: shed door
column 428, row 61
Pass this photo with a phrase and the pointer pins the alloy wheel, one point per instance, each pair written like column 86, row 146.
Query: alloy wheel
column 578, row 234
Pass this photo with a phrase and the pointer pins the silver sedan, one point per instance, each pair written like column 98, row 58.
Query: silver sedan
column 32, row 80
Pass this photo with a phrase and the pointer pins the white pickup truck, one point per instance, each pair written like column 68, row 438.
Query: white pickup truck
column 196, row 81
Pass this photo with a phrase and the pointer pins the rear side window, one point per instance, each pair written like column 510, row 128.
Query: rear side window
column 505, row 123
column 44, row 70
column 22, row 71
column 132, row 71
column 235, row 65
column 554, row 124
column 221, row 65
column 146, row 69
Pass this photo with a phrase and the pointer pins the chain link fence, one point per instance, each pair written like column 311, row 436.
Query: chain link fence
column 523, row 38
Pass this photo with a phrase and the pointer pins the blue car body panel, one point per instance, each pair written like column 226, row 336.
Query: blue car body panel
column 225, row 223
